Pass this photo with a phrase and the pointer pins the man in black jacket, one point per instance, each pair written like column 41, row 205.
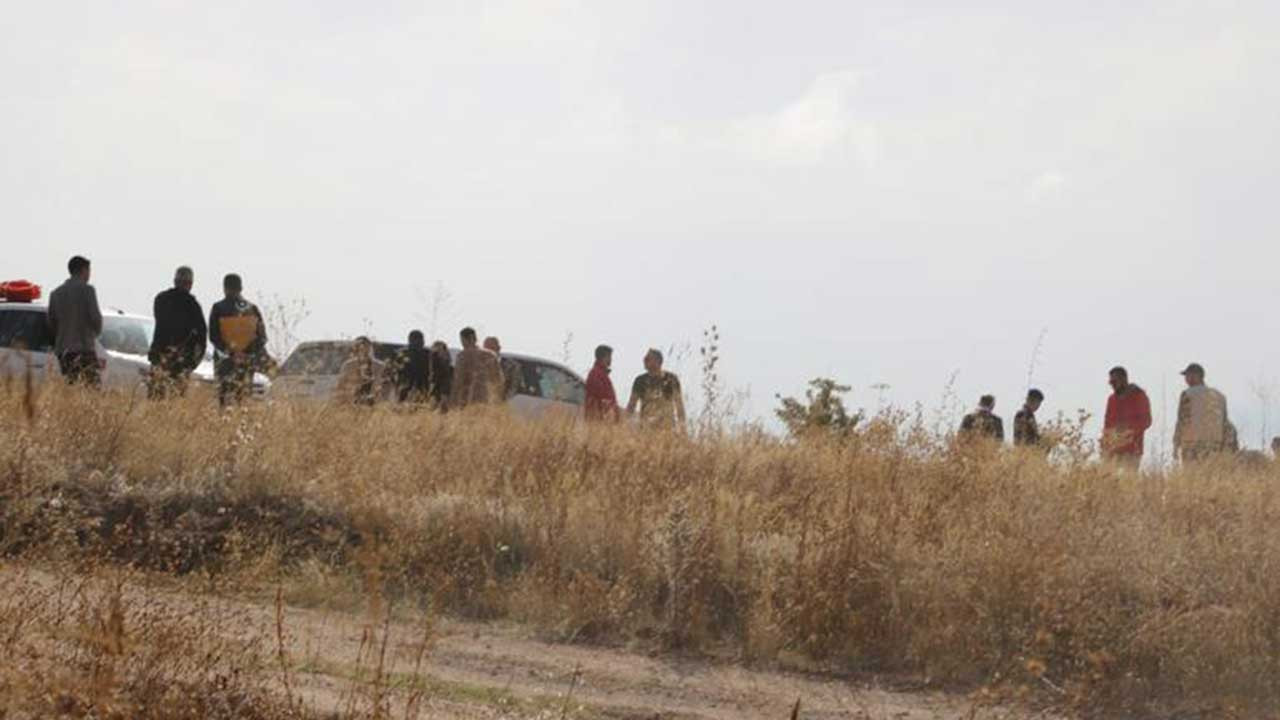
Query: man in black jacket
column 179, row 340
column 1026, row 431
column 239, row 339
column 983, row 422
column 414, row 369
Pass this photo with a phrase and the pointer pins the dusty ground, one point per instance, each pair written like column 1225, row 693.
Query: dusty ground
column 482, row 670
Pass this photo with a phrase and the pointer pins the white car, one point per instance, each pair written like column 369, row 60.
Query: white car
column 25, row 341
column 544, row 386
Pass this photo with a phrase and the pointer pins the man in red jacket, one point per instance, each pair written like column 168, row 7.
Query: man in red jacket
column 1128, row 417
column 602, row 402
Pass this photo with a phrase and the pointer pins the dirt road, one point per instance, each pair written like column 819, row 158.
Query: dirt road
column 500, row 670
column 342, row 663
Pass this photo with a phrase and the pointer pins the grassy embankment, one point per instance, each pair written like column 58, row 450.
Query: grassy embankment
column 887, row 553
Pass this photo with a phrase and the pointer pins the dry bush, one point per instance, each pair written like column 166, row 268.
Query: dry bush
column 887, row 550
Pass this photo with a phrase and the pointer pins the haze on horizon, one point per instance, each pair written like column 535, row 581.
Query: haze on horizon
column 882, row 194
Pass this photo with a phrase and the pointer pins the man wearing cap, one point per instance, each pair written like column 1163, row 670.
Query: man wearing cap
column 1127, row 419
column 1202, row 418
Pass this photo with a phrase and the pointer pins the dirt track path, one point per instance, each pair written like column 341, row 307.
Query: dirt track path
column 498, row 670
column 479, row 670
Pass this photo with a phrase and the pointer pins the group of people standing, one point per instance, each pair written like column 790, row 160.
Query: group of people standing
column 480, row 375
column 235, row 329
column 419, row 375
column 1203, row 427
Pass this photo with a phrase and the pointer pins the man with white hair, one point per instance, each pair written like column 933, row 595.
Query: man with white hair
column 180, row 338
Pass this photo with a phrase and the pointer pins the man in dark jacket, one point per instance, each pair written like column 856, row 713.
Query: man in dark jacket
column 414, row 369
column 239, row 339
column 180, row 337
column 983, row 422
column 1026, row 431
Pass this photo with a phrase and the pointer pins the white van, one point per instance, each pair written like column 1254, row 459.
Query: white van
column 543, row 387
column 26, row 342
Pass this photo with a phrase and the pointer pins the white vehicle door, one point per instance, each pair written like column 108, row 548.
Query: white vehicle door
column 26, row 343
column 126, row 341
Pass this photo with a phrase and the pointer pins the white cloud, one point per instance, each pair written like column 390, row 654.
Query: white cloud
column 821, row 126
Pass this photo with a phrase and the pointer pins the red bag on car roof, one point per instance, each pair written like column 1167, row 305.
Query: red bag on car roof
column 19, row 291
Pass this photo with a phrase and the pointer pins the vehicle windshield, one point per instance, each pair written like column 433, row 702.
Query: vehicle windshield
column 128, row 335
column 316, row 360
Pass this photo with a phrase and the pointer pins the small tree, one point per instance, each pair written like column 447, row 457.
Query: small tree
column 821, row 413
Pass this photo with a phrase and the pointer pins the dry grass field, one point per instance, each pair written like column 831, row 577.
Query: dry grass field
column 162, row 560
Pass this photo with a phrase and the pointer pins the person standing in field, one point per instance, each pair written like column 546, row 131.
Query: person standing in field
column 601, row 403
column 1127, row 420
column 1026, row 431
column 75, row 321
column 1202, row 429
column 180, row 338
column 441, row 376
column 360, row 379
column 239, row 339
column 413, row 369
column 510, row 368
column 477, row 376
column 657, row 395
column 983, row 423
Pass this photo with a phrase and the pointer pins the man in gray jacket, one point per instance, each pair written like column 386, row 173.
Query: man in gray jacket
column 76, row 323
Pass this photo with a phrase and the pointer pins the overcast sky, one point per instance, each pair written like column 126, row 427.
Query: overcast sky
column 881, row 192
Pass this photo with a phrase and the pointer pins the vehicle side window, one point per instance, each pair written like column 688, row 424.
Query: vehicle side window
column 524, row 383
column 553, row 383
column 25, row 330
column 386, row 352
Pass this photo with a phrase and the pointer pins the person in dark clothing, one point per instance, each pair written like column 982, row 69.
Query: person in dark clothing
column 414, row 369
column 442, row 376
column 1026, row 431
column 983, row 422
column 75, row 321
column 239, row 339
column 180, row 338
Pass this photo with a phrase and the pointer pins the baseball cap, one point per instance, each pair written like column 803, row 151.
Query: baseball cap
column 1194, row 368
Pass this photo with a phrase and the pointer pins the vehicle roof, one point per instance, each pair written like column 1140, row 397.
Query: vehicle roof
column 42, row 307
